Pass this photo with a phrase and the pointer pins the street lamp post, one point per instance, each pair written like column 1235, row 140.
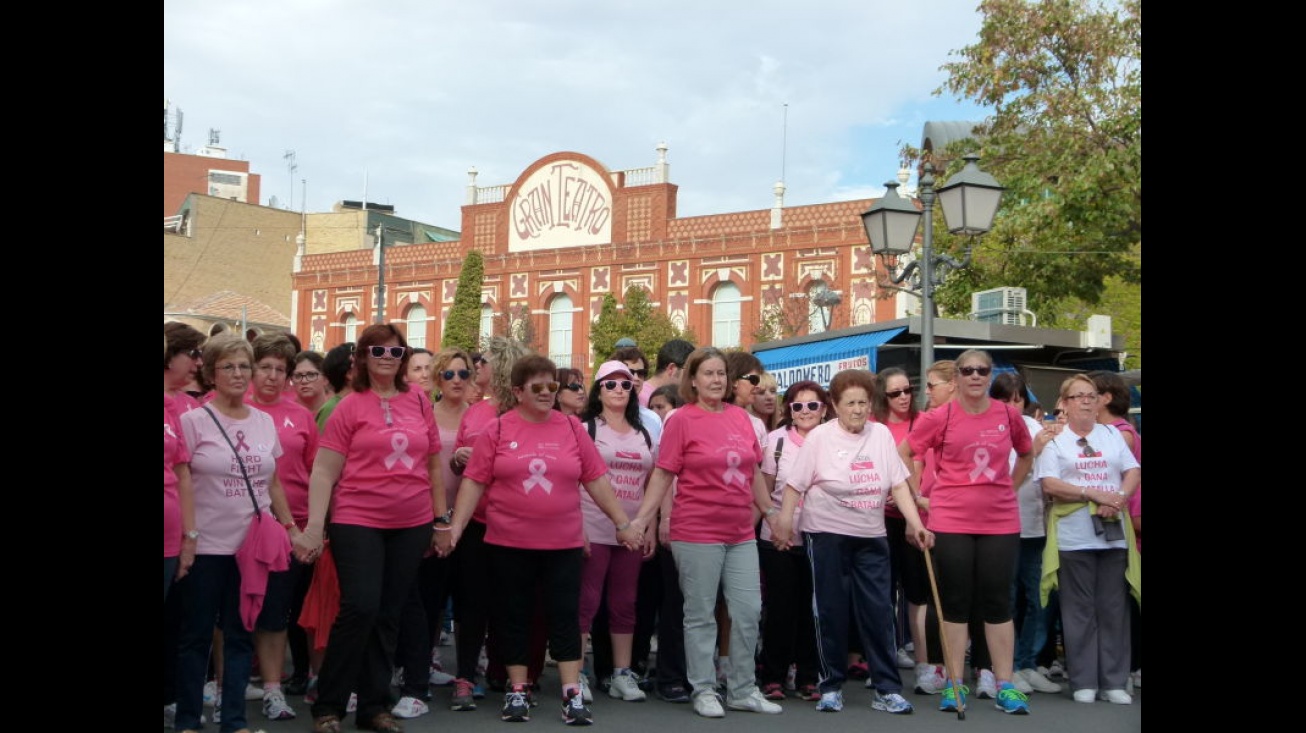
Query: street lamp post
column 970, row 201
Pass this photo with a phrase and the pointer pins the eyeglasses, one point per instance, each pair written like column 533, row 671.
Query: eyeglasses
column 450, row 374
column 612, row 384
column 753, row 379
column 1088, row 449
column 305, row 376
column 193, row 353
column 641, row 373
column 230, row 369
column 982, row 371
column 395, row 352
column 931, row 385
column 576, row 387
column 271, row 369
column 1082, row 396
column 798, row 406
column 900, row 392
column 539, row 387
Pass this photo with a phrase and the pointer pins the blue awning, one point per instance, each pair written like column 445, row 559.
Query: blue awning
column 820, row 360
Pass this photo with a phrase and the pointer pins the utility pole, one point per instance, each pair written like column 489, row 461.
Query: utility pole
column 380, row 275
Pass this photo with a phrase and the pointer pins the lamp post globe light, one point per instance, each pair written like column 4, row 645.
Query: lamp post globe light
column 970, row 200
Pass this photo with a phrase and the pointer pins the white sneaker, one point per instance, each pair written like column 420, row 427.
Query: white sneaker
column 624, row 687
column 905, row 659
column 755, row 703
column 409, row 707
column 275, row 706
column 1036, row 680
column 1056, row 670
column 170, row 716
column 441, row 678
column 707, row 705
column 1022, row 685
column 1119, row 697
column 1136, row 678
column 210, row 693
column 253, row 692
column 987, row 685
column 929, row 680
column 352, row 705
column 1085, row 695
column 586, row 694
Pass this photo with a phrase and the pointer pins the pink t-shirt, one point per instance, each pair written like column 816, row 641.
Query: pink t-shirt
column 174, row 452
column 385, row 482
column 629, row 460
column 222, row 507
column 844, row 478
column 972, row 493
column 899, row 430
column 1135, row 499
column 713, row 455
column 182, row 403
column 788, row 454
column 532, row 473
column 474, row 422
column 298, row 434
column 645, row 392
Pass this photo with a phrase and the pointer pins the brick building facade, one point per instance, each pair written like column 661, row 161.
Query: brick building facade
column 568, row 231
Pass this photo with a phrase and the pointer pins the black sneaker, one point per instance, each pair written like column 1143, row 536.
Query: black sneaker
column 296, row 685
column 515, row 707
column 673, row 693
column 574, row 711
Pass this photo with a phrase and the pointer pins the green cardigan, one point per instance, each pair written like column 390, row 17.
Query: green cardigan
column 1052, row 556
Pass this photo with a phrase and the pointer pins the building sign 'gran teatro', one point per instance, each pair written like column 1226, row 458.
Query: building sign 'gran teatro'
column 563, row 204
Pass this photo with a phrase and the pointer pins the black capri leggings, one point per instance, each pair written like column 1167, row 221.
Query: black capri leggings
column 514, row 573
column 976, row 570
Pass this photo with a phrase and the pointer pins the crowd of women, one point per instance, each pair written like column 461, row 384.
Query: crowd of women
column 334, row 508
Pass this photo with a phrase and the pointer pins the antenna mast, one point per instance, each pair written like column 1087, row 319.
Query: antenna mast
column 291, row 166
column 784, row 142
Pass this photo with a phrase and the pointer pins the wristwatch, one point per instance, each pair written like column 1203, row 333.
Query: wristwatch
column 446, row 518
column 194, row 534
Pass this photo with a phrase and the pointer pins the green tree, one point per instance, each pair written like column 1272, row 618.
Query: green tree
column 1064, row 80
column 462, row 329
column 607, row 329
column 637, row 319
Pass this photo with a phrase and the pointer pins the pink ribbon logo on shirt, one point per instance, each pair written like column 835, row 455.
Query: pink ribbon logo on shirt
column 399, row 442
column 240, row 441
column 538, row 468
column 732, row 473
column 168, row 429
column 982, row 459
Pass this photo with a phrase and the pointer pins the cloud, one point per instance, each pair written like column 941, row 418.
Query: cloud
column 408, row 95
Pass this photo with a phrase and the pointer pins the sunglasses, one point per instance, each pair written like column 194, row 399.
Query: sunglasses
column 540, row 387
column 478, row 360
column 798, row 406
column 450, row 374
column 613, row 384
column 641, row 373
column 900, row 392
column 395, row 352
column 982, row 371
column 194, row 353
column 753, row 379
column 1082, row 396
column 1088, row 449
column 305, row 376
column 932, row 385
column 576, row 387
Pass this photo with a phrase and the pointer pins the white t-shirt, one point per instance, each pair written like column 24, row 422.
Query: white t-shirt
column 1033, row 522
column 1064, row 459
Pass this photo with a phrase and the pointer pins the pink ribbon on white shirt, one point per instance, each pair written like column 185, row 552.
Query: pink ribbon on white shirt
column 240, row 441
column 538, row 468
column 399, row 442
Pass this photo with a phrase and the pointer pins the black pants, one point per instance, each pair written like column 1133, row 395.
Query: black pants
column 514, row 574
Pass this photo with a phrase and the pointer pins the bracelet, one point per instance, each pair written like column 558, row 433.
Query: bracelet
column 623, row 527
column 438, row 528
column 774, row 510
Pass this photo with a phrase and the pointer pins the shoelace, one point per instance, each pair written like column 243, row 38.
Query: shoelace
column 1012, row 692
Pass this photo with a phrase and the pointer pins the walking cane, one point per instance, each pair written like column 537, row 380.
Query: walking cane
column 943, row 640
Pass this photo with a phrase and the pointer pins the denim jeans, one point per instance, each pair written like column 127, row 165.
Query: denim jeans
column 1033, row 627
column 211, row 596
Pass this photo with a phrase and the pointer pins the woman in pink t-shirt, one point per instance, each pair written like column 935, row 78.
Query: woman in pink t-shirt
column 976, row 520
column 847, row 470
column 531, row 464
column 628, row 450
column 377, row 472
column 178, row 501
column 710, row 448
column 789, row 634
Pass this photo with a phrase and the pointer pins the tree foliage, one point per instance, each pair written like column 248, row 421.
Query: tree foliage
column 463, row 326
column 636, row 319
column 1064, row 80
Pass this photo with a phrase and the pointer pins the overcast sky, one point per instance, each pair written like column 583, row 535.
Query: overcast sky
column 403, row 96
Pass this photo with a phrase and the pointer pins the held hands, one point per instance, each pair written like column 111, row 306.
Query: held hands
column 782, row 532
column 445, row 541
column 631, row 538
column 306, row 545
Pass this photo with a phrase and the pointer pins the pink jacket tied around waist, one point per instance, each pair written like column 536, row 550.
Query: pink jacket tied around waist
column 266, row 549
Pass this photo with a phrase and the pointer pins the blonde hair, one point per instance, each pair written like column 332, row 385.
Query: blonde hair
column 501, row 353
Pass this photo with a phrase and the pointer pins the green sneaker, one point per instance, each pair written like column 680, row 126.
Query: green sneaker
column 1012, row 701
column 949, row 703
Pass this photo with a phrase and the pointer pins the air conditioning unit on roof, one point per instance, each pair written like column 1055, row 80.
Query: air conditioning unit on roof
column 999, row 305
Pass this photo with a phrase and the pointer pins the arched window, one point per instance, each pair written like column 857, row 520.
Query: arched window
column 561, row 316
column 725, row 316
column 487, row 323
column 417, row 327
column 351, row 327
